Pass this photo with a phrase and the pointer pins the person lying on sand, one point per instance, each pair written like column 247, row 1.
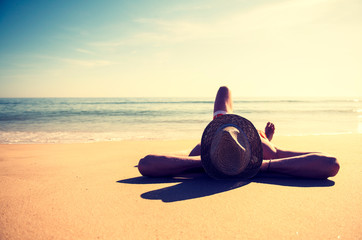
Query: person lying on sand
column 227, row 150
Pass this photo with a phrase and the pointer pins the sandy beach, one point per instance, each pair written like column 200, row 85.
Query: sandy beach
column 94, row 191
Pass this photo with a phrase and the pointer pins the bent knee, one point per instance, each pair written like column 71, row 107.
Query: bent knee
column 224, row 89
column 269, row 151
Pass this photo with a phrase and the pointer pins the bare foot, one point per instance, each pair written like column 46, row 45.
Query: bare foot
column 269, row 130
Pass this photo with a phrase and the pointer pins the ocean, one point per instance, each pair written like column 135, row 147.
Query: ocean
column 70, row 120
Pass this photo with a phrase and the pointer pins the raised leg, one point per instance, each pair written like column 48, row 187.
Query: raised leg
column 223, row 100
column 223, row 103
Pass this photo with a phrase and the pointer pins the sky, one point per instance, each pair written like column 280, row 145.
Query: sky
column 162, row 48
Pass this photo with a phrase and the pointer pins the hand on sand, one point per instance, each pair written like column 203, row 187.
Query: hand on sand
column 269, row 130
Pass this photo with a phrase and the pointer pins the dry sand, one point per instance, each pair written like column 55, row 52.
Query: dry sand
column 93, row 191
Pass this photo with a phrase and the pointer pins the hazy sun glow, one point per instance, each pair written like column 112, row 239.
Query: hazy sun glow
column 164, row 49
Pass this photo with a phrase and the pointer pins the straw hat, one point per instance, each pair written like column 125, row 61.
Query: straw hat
column 231, row 147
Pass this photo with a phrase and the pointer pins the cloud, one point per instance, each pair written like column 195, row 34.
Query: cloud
column 86, row 63
column 80, row 62
column 262, row 18
column 81, row 50
column 290, row 35
column 188, row 8
column 177, row 30
column 110, row 44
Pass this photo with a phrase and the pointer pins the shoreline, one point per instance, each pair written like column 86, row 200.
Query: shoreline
column 94, row 191
column 166, row 139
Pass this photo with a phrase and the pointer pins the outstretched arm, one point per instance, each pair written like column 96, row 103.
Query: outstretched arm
column 315, row 165
column 162, row 166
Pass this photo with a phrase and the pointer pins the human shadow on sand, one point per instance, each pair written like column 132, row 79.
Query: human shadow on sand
column 200, row 185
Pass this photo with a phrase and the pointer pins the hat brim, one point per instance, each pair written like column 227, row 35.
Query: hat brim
column 253, row 137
